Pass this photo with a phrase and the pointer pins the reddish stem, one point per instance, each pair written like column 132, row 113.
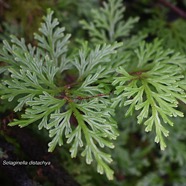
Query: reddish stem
column 89, row 97
column 174, row 8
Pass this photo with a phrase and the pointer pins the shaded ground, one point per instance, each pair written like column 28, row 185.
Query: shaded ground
column 20, row 145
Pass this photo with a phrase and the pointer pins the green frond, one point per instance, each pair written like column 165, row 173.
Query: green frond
column 30, row 75
column 39, row 109
column 87, row 61
column 54, row 41
column 96, row 124
column 108, row 23
column 151, row 53
column 153, row 89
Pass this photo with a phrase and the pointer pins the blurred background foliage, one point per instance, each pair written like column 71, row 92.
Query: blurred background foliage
column 137, row 159
column 22, row 17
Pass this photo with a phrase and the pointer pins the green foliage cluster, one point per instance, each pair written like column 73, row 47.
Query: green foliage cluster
column 117, row 73
column 17, row 16
column 171, row 33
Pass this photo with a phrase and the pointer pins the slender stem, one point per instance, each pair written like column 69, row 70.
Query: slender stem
column 81, row 122
column 173, row 8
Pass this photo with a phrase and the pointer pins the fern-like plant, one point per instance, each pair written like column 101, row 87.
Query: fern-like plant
column 141, row 76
